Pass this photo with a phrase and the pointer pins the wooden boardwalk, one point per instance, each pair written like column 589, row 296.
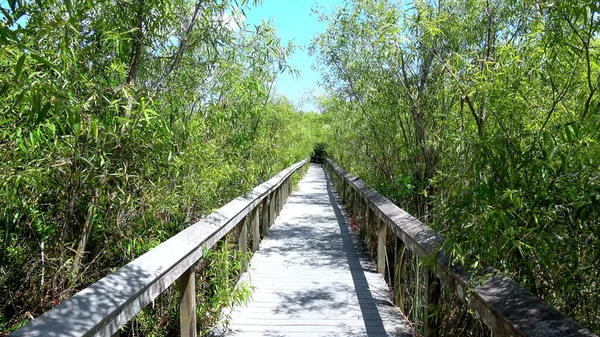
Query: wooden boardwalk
column 312, row 276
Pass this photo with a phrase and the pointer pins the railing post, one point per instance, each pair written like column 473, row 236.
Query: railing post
column 275, row 204
column 344, row 192
column 399, row 271
column 243, row 243
column 287, row 189
column 264, row 215
column 355, row 205
column 278, row 204
column 187, row 304
column 352, row 200
column 365, row 218
column 373, row 221
column 272, row 209
column 279, row 200
column 432, row 284
column 381, row 241
column 255, row 229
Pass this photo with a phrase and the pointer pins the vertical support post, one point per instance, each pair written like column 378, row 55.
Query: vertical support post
column 287, row 189
column 345, row 200
column 373, row 221
column 355, row 205
column 264, row 215
column 272, row 208
column 365, row 218
column 243, row 243
column 432, row 321
column 352, row 201
column 255, row 229
column 187, row 304
column 381, row 240
column 399, row 271
column 279, row 200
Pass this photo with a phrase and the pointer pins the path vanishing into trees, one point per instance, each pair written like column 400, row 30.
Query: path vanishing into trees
column 313, row 277
column 313, row 274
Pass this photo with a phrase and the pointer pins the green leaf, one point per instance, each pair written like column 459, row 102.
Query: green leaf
column 69, row 7
column 9, row 19
column 12, row 4
column 3, row 89
column 42, row 60
column 19, row 66
column 43, row 112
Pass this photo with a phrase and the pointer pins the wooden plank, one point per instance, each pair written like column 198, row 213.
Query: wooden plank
column 399, row 273
column 187, row 303
column 255, row 228
column 265, row 217
column 271, row 209
column 277, row 202
column 381, row 251
column 313, row 276
column 502, row 304
column 373, row 221
column 364, row 217
column 105, row 306
column 243, row 243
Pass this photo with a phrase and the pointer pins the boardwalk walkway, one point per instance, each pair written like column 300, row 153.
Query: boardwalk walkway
column 312, row 277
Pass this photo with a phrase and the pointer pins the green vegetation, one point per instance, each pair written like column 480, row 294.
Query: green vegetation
column 481, row 118
column 121, row 123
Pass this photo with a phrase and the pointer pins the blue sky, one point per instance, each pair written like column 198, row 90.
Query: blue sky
column 295, row 22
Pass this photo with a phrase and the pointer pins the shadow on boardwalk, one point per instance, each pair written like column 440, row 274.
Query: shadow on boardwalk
column 313, row 277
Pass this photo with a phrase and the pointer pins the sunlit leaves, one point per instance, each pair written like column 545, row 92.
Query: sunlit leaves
column 134, row 117
column 475, row 115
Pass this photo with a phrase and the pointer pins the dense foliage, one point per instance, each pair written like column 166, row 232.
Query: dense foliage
column 481, row 118
column 122, row 122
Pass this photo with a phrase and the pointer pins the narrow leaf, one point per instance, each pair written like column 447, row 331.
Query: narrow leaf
column 19, row 66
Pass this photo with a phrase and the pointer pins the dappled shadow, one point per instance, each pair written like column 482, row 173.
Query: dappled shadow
column 310, row 274
column 85, row 312
column 375, row 323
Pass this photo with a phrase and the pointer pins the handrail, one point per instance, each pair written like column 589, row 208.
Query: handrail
column 102, row 308
column 502, row 304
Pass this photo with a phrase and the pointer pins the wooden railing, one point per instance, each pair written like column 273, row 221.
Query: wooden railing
column 105, row 306
column 505, row 307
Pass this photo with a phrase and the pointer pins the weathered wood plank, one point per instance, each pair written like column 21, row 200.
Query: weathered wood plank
column 187, row 303
column 381, row 248
column 264, row 215
column 312, row 275
column 243, row 243
column 502, row 304
column 272, row 209
column 254, row 215
column 399, row 272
